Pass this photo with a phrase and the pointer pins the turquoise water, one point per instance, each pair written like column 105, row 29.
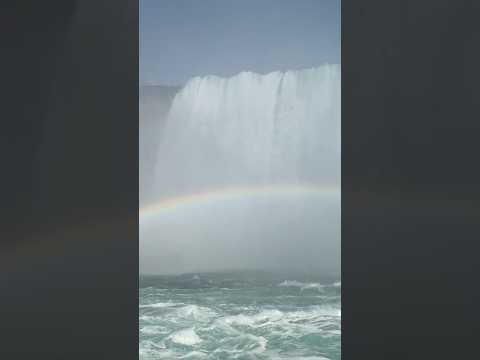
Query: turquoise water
column 239, row 315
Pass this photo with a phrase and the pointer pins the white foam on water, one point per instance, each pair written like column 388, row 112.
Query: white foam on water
column 158, row 355
column 241, row 344
column 148, row 318
column 153, row 330
column 149, row 345
column 159, row 305
column 186, row 337
column 307, row 358
column 196, row 312
column 316, row 311
column 263, row 317
column 261, row 345
column 311, row 320
column 150, row 350
column 194, row 355
column 301, row 285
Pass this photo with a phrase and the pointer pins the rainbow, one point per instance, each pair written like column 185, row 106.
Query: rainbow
column 174, row 204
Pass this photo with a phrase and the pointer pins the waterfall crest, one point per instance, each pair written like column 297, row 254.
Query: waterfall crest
column 251, row 129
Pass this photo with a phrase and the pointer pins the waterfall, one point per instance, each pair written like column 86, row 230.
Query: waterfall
column 243, row 174
column 251, row 129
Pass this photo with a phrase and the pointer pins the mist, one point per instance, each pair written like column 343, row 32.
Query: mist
column 254, row 131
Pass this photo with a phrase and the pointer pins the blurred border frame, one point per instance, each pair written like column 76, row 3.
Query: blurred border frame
column 69, row 147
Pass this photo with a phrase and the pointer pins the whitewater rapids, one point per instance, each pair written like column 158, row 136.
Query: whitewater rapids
column 239, row 316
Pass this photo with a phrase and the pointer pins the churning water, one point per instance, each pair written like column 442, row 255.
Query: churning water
column 239, row 315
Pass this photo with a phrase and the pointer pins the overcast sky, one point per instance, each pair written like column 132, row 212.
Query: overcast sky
column 180, row 39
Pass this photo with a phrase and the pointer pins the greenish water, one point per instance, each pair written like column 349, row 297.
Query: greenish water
column 239, row 315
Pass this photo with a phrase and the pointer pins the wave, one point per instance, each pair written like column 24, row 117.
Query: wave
column 241, row 344
column 148, row 318
column 160, row 305
column 196, row 312
column 250, row 320
column 193, row 355
column 186, row 337
column 149, row 349
column 259, row 345
column 307, row 358
column 302, row 285
column 316, row 315
column 153, row 330
column 307, row 285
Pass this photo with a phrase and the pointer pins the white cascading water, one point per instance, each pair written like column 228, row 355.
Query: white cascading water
column 251, row 129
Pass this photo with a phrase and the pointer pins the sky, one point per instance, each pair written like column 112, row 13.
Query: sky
column 180, row 39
